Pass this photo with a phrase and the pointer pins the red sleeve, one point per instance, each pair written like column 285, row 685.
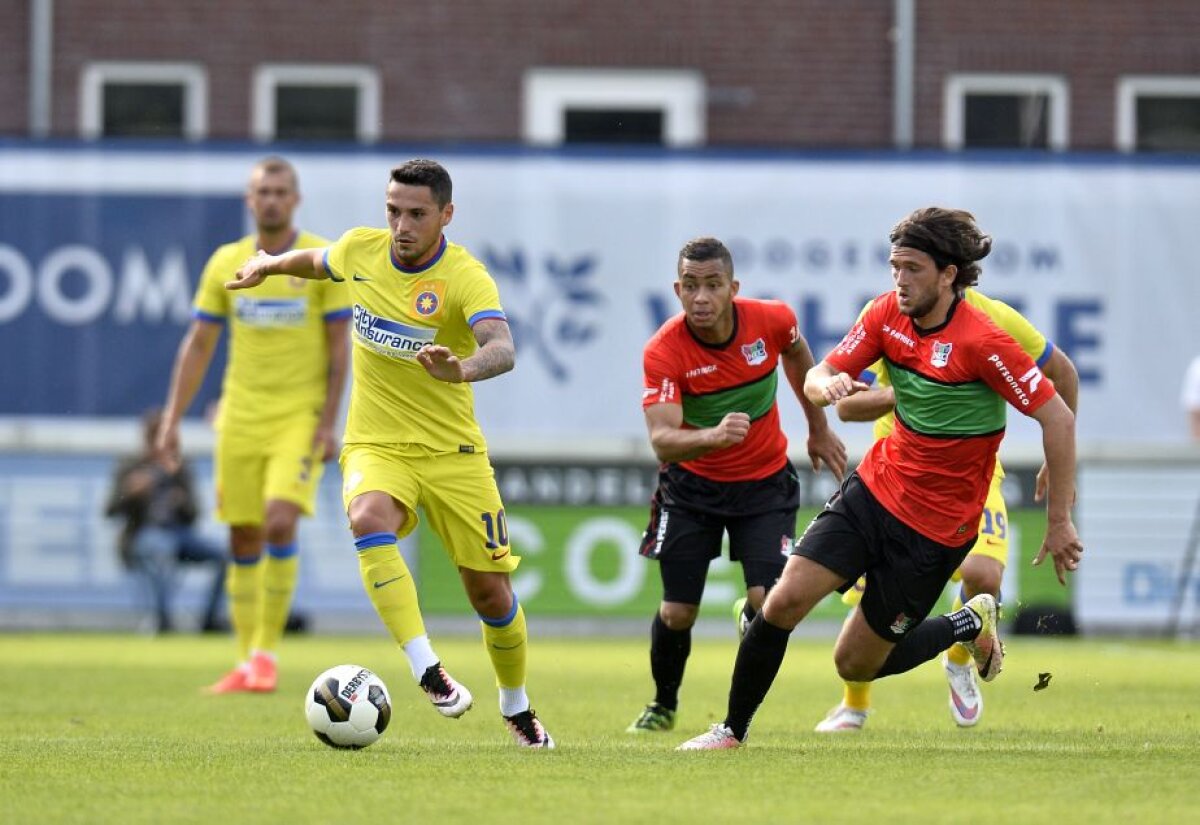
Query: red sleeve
column 1009, row 370
column 862, row 345
column 785, row 329
column 660, row 382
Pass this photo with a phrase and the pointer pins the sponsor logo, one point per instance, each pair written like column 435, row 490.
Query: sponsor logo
column 941, row 354
column 853, row 338
column 387, row 582
column 896, row 334
column 358, row 277
column 900, row 624
column 705, row 370
column 427, row 303
column 666, row 391
column 755, row 353
column 1033, row 377
column 499, row 554
column 388, row 337
column 271, row 312
column 350, row 689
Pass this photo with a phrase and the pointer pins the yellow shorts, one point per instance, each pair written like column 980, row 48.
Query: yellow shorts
column 278, row 464
column 992, row 540
column 456, row 491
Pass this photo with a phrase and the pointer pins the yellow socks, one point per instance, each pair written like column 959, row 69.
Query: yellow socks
column 279, row 575
column 857, row 695
column 242, row 581
column 389, row 585
column 506, row 641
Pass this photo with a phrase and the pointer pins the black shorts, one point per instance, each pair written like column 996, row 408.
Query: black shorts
column 690, row 514
column 906, row 572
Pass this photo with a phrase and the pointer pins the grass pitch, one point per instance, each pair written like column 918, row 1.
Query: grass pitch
column 104, row 728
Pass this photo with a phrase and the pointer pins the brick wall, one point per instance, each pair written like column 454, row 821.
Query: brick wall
column 798, row 73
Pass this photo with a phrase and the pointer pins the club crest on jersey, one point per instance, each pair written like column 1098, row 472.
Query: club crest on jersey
column 941, row 354
column 429, row 298
column 755, row 353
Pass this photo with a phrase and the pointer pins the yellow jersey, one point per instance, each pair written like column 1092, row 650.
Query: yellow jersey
column 278, row 357
column 398, row 310
column 1027, row 336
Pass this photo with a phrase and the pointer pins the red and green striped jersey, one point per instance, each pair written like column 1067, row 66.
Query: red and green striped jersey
column 951, row 383
column 711, row 380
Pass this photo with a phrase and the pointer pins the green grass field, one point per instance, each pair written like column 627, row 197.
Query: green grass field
column 112, row 728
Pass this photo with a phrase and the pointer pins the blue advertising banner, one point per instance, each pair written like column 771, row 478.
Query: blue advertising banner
column 95, row 293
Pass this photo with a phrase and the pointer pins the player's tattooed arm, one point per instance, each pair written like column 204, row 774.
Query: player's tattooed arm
column 495, row 356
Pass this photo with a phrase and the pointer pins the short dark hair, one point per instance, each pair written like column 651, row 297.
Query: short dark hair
column 706, row 249
column 949, row 236
column 421, row 172
column 274, row 164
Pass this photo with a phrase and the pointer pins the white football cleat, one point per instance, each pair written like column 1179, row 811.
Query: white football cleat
column 447, row 696
column 986, row 648
column 842, row 720
column 717, row 738
column 966, row 702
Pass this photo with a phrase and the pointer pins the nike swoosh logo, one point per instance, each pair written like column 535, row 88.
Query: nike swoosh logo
column 499, row 554
column 511, row 647
column 358, row 277
column 389, row 581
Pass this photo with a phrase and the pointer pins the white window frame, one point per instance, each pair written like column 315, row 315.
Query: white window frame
column 958, row 86
column 191, row 76
column 1131, row 87
column 547, row 93
column 269, row 76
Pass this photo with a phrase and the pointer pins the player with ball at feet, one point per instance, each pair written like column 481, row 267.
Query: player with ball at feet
column 427, row 323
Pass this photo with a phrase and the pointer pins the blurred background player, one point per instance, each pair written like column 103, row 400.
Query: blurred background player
column 427, row 323
column 983, row 569
column 279, row 405
column 907, row 516
column 157, row 503
column 709, row 402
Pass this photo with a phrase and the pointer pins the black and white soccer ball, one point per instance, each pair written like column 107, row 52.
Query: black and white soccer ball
column 348, row 707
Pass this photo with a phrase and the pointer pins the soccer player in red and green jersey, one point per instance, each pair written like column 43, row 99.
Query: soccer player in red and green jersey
column 711, row 376
column 907, row 517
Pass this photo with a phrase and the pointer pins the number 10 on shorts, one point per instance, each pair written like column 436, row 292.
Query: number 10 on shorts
column 497, row 529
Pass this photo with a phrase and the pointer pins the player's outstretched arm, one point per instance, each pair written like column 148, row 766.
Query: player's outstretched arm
column 1058, row 442
column 300, row 263
column 673, row 443
column 1061, row 370
column 496, row 355
column 824, row 386
column 824, row 445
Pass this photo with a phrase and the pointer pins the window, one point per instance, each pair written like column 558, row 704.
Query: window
column 1158, row 114
column 148, row 100
column 639, row 106
column 1005, row 111
column 302, row 102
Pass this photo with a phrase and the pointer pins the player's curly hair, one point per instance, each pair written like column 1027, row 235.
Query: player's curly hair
column 949, row 236
column 706, row 249
column 422, row 172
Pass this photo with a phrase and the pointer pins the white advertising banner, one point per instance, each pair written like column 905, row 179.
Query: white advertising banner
column 1141, row 532
column 1098, row 253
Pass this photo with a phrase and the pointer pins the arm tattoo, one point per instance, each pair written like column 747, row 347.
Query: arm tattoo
column 496, row 354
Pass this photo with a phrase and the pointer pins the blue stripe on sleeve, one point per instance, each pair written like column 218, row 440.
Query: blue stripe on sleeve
column 338, row 314
column 333, row 276
column 486, row 313
column 201, row 315
column 1045, row 356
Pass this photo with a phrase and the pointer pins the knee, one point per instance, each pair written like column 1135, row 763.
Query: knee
column 492, row 602
column 677, row 615
column 984, row 576
column 851, row 668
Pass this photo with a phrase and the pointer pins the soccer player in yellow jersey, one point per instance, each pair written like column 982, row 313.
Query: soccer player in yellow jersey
column 279, row 402
column 983, row 569
column 427, row 323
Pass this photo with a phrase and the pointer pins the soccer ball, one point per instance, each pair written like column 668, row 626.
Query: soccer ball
column 348, row 707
